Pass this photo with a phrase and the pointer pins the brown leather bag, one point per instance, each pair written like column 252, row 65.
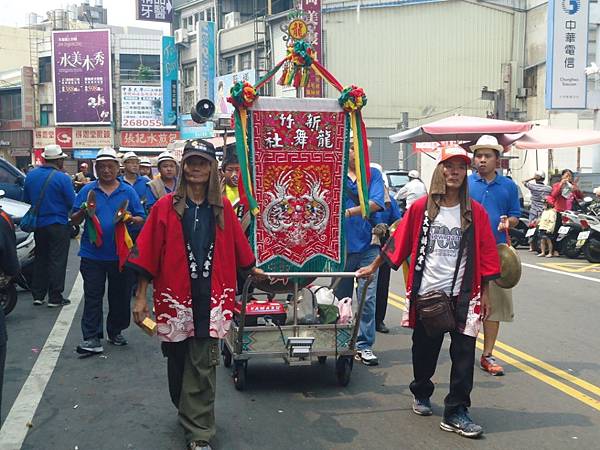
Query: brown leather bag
column 436, row 311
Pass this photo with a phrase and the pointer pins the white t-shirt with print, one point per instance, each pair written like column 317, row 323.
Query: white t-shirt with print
column 440, row 260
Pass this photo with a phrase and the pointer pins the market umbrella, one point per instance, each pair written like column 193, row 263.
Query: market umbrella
column 463, row 128
column 545, row 137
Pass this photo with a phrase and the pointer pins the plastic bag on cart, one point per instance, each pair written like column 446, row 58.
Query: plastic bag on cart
column 307, row 308
column 346, row 314
column 324, row 295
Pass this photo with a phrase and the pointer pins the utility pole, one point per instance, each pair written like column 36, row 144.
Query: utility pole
column 499, row 99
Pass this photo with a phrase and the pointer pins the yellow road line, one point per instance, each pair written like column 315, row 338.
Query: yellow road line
column 398, row 302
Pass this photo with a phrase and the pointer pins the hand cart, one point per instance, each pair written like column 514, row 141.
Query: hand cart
column 296, row 344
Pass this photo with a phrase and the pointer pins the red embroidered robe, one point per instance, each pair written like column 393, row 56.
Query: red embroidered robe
column 160, row 251
column 483, row 263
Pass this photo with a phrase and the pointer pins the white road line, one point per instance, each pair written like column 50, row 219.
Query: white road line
column 14, row 430
column 560, row 272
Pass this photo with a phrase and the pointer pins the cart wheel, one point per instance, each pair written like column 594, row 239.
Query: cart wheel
column 239, row 375
column 322, row 359
column 226, row 355
column 343, row 370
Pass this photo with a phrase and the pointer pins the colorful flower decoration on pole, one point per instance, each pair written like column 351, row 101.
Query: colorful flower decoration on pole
column 296, row 71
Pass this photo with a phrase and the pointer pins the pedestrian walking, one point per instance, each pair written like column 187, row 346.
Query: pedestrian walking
column 83, row 177
column 546, row 228
column 191, row 248
column 412, row 190
column 166, row 183
column 360, row 251
column 9, row 267
column 452, row 259
column 49, row 187
column 500, row 198
column 383, row 220
column 132, row 177
column 146, row 167
column 230, row 168
column 539, row 190
column 101, row 250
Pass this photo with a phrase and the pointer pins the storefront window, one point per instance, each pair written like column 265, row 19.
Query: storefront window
column 10, row 105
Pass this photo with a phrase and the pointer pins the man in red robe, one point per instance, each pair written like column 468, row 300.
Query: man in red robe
column 191, row 248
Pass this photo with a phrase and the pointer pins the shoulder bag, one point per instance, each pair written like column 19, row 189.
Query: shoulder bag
column 29, row 221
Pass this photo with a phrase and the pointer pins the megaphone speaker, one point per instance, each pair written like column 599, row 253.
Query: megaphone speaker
column 203, row 111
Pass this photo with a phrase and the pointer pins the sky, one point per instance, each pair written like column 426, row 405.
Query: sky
column 120, row 12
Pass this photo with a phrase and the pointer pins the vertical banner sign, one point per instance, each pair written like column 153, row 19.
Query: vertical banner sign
column 154, row 10
column 81, row 62
column 206, row 59
column 312, row 16
column 27, row 98
column 168, row 66
column 566, row 59
column 223, row 85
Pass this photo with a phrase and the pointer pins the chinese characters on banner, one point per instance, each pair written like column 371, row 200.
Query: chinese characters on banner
column 566, row 83
column 298, row 170
column 141, row 107
column 81, row 62
column 67, row 137
column 206, row 59
column 223, row 85
column 168, row 66
column 155, row 10
column 312, row 16
column 148, row 139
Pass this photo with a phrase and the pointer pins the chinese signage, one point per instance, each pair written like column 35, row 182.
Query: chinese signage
column 298, row 172
column 223, row 85
column 206, row 59
column 168, row 67
column 141, row 107
column 148, row 139
column 566, row 59
column 192, row 130
column 155, row 10
column 85, row 154
column 81, row 62
column 312, row 17
column 67, row 137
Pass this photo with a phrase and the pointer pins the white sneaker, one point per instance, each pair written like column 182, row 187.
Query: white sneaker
column 368, row 357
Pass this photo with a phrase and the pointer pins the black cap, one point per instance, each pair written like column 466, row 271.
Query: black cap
column 198, row 147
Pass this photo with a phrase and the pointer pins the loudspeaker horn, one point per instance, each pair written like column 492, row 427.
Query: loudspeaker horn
column 203, row 111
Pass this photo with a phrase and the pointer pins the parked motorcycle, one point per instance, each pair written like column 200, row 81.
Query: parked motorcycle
column 588, row 240
column 518, row 234
column 566, row 239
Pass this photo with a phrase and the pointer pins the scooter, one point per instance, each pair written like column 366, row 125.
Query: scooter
column 588, row 240
column 566, row 239
column 25, row 254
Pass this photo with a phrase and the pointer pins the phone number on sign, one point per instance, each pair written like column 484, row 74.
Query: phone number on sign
column 142, row 123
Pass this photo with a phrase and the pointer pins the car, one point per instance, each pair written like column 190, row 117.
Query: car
column 395, row 179
column 14, row 208
column 12, row 180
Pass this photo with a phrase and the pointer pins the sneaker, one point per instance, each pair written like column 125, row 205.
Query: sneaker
column 488, row 363
column 198, row 445
column 90, row 346
column 117, row 339
column 380, row 327
column 367, row 357
column 422, row 406
column 461, row 423
column 38, row 302
column 63, row 302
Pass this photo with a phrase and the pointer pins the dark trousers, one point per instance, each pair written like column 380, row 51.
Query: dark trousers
column 425, row 352
column 95, row 273
column 383, row 290
column 3, row 339
column 192, row 371
column 50, row 263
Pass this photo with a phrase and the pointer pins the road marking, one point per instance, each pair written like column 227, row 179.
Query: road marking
column 561, row 272
column 574, row 267
column 14, row 430
column 398, row 302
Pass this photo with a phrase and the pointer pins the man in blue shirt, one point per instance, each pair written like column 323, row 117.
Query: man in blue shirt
column 99, row 263
column 52, row 236
column 166, row 183
column 361, row 252
column 500, row 198
column 132, row 177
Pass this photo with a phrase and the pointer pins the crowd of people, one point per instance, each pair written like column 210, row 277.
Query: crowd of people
column 184, row 232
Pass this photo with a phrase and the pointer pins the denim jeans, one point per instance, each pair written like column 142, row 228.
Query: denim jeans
column 354, row 261
column 95, row 273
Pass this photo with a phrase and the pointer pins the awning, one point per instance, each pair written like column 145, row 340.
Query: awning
column 545, row 137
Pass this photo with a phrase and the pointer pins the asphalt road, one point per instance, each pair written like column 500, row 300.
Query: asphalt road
column 549, row 398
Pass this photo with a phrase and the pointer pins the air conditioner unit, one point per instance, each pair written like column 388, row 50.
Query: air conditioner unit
column 231, row 20
column 181, row 35
column 524, row 92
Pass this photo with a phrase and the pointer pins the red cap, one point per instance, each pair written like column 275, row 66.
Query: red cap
column 453, row 152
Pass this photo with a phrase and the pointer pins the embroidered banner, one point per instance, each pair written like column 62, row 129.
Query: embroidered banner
column 299, row 166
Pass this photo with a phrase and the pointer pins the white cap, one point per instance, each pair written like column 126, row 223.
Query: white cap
column 596, row 190
column 165, row 156
column 130, row 155
column 487, row 141
column 377, row 166
column 539, row 173
column 145, row 162
column 53, row 151
column 413, row 174
column 107, row 154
